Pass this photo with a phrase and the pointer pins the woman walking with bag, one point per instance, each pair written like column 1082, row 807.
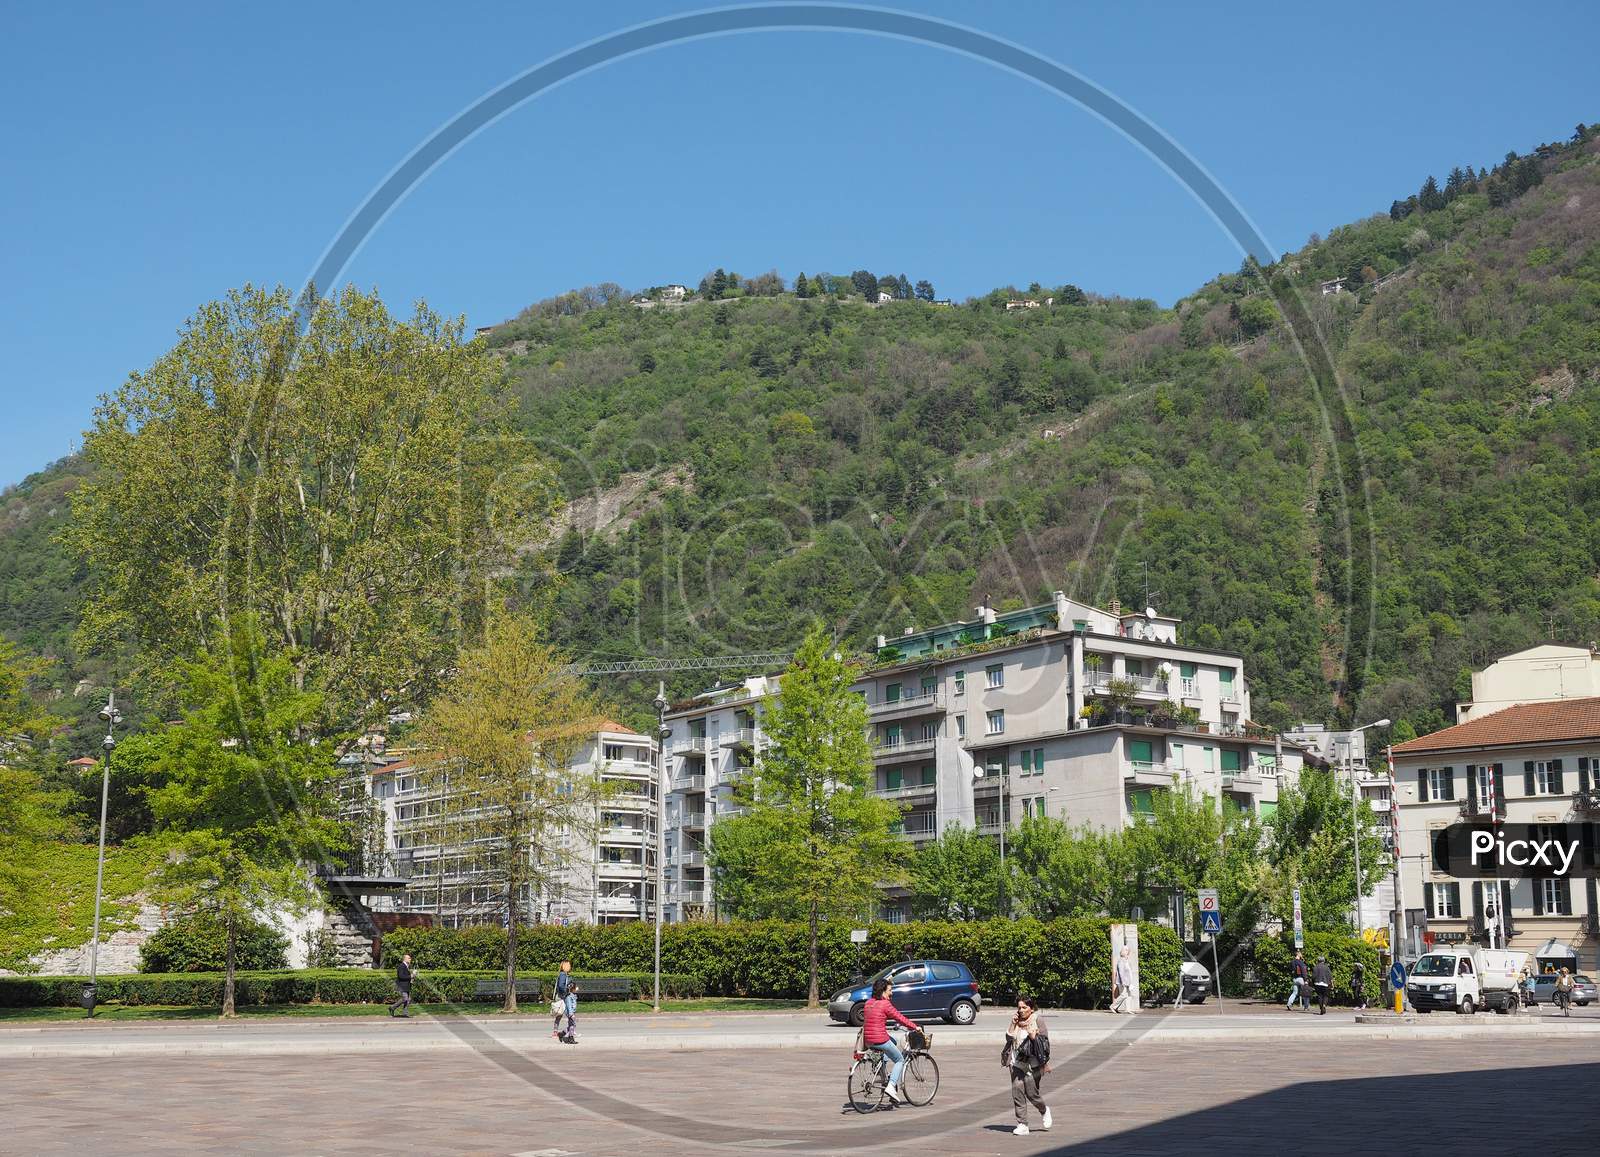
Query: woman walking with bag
column 1027, row 1056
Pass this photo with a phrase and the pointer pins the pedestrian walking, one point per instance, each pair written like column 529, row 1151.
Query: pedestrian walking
column 1322, row 981
column 1027, row 1056
column 1358, row 984
column 1122, row 980
column 1300, row 991
column 565, row 1005
column 402, row 983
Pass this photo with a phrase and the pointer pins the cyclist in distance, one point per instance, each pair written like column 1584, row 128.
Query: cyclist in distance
column 875, row 1032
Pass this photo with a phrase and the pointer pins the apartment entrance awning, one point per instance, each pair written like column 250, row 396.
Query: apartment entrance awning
column 1556, row 952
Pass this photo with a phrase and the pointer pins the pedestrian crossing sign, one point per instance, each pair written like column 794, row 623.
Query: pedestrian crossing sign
column 1211, row 922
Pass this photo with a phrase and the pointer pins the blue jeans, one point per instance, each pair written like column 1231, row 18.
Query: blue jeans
column 1300, row 992
column 891, row 1050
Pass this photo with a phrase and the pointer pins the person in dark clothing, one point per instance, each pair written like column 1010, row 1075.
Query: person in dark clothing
column 402, row 983
column 1322, row 980
column 1358, row 984
column 1301, row 989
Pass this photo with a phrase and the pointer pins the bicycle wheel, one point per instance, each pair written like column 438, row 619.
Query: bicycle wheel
column 866, row 1086
column 920, row 1081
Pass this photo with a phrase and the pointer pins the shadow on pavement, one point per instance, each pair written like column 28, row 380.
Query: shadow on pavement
column 1546, row 1110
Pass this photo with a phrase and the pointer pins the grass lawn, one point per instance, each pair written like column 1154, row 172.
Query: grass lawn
column 476, row 1008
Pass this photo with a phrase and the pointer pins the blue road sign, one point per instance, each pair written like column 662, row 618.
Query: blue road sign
column 1211, row 922
column 1397, row 976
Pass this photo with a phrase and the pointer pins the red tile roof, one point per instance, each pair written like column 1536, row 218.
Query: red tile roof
column 83, row 761
column 1564, row 719
column 619, row 728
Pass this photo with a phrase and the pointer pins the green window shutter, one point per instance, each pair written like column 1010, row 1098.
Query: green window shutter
column 1141, row 802
column 1225, row 676
column 1038, row 765
column 891, row 779
column 1024, row 761
column 929, row 682
column 1266, row 809
column 930, row 774
column 1556, row 785
column 891, row 693
column 1230, row 760
column 1140, row 751
column 1186, row 670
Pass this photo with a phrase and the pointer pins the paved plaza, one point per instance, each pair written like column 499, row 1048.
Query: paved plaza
column 1344, row 1094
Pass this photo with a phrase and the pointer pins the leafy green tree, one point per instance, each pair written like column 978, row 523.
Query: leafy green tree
column 957, row 876
column 829, row 840
column 497, row 745
column 354, row 491
column 1057, row 870
column 1310, row 847
column 247, row 803
column 198, row 942
column 924, row 290
column 802, row 287
column 30, row 814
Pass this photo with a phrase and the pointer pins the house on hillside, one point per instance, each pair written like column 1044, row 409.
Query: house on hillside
column 884, row 298
column 1334, row 286
column 1022, row 303
column 674, row 292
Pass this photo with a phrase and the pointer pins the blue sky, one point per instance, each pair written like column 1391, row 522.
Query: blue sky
column 158, row 154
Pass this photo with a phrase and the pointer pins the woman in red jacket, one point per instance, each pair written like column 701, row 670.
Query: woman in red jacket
column 875, row 1032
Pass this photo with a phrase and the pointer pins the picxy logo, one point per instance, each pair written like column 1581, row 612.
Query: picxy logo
column 1515, row 850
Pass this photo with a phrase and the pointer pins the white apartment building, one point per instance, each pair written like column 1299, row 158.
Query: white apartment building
column 1541, row 674
column 608, row 879
column 1063, row 709
column 1539, row 764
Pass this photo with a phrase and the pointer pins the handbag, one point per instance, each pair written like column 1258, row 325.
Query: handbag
column 558, row 1007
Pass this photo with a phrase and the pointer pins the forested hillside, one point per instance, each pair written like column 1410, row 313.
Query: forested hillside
column 756, row 457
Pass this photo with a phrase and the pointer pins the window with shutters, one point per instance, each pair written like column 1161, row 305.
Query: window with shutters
column 930, row 775
column 1445, row 901
column 1186, row 676
column 961, row 682
column 1230, row 760
column 1225, row 677
column 1555, row 897
column 1441, row 783
column 1546, row 777
column 1485, row 780
column 1141, row 753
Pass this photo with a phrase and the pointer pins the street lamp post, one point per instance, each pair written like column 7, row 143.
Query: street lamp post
column 112, row 717
column 1355, row 797
column 662, row 731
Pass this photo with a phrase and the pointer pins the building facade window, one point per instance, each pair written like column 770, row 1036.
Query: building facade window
column 961, row 682
column 1030, row 761
column 1230, row 761
column 996, row 722
column 1225, row 678
column 1552, row 897
column 1141, row 752
column 994, row 676
column 1436, row 783
column 1186, row 679
column 1543, row 777
column 1444, row 900
column 961, row 726
column 1033, row 806
column 1142, row 802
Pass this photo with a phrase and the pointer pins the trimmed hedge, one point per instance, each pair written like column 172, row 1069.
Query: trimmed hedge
column 307, row 986
column 1066, row 963
column 1274, row 955
column 198, row 942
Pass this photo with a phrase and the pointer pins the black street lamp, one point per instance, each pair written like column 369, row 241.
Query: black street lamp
column 112, row 717
column 662, row 732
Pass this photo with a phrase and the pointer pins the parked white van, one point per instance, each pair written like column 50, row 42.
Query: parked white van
column 1466, row 979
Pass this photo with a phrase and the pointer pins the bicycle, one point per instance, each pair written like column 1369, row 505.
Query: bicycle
column 868, row 1084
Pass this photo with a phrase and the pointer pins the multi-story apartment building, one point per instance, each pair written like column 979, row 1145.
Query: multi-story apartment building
column 1541, row 674
column 607, row 879
column 1063, row 709
column 1530, row 764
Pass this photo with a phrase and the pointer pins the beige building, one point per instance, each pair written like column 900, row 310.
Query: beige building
column 1063, row 709
column 1539, row 674
column 1538, row 764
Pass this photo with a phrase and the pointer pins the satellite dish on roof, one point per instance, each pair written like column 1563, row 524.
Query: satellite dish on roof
column 1149, row 612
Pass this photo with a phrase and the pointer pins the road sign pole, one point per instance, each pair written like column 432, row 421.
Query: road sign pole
column 1216, row 972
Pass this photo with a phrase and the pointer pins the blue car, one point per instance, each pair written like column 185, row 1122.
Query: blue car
column 921, row 989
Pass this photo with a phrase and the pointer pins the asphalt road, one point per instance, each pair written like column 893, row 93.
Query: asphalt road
column 1344, row 1094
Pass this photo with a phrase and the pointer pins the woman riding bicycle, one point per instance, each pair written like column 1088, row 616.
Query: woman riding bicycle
column 875, row 1032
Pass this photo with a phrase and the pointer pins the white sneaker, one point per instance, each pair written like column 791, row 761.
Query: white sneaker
column 1045, row 1122
column 893, row 1094
column 1021, row 1131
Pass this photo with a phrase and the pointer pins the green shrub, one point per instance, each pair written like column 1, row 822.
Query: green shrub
column 197, row 942
column 305, row 986
column 1061, row 962
column 1275, row 954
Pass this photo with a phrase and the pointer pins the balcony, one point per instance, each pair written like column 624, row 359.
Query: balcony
column 692, row 745
column 618, row 905
column 621, row 870
column 987, row 823
column 1137, row 773
column 1246, row 781
column 1587, row 803
column 903, row 746
column 922, row 826
column 739, row 737
column 906, row 791
column 696, row 782
column 624, row 837
column 916, row 703
column 1477, row 809
column 693, row 821
column 690, row 896
column 1098, row 682
column 690, row 859
column 629, row 801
